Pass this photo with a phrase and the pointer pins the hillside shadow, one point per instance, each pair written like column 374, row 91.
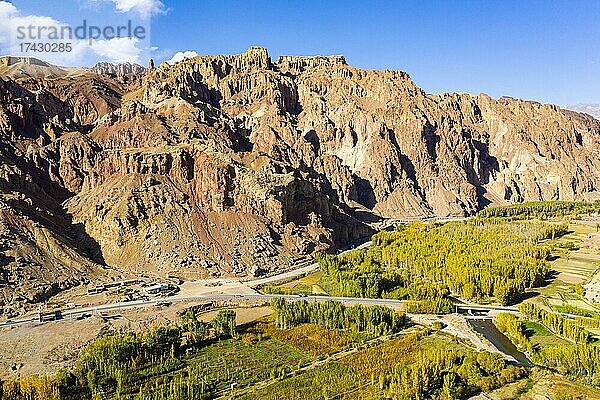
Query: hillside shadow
column 312, row 138
column 4, row 262
column 204, row 93
column 487, row 162
column 85, row 243
column 365, row 192
column 366, row 216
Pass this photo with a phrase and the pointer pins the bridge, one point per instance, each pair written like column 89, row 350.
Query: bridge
column 462, row 307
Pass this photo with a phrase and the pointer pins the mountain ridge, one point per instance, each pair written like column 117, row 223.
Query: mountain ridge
column 235, row 165
column 31, row 67
column 591, row 109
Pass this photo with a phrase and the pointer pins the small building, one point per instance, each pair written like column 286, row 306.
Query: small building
column 158, row 288
column 96, row 289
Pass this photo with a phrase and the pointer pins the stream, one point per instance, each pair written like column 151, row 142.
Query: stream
column 498, row 339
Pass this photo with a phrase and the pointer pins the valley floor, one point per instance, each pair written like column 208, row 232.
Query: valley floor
column 267, row 363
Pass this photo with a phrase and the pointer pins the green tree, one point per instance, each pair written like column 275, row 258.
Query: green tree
column 224, row 323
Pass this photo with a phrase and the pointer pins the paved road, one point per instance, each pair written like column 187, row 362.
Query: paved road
column 252, row 284
column 74, row 313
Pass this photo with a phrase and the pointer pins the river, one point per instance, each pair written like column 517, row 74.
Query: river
column 498, row 339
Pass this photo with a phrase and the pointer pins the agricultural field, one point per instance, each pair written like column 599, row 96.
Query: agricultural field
column 332, row 380
column 575, row 260
column 579, row 263
column 540, row 336
column 308, row 284
column 207, row 355
column 309, row 338
column 261, row 352
column 259, row 360
column 543, row 385
column 244, row 363
column 364, row 374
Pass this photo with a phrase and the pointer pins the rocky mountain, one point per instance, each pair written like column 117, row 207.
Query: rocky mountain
column 238, row 165
column 591, row 109
column 121, row 71
column 30, row 67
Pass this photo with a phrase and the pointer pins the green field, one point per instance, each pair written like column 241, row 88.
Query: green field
column 261, row 353
column 333, row 380
column 233, row 361
column 308, row 284
column 571, row 267
column 540, row 336
column 372, row 372
column 578, row 265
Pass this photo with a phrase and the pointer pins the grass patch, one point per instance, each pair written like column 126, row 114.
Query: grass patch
column 309, row 338
column 540, row 336
column 567, row 308
column 383, row 358
column 332, row 380
column 234, row 361
column 308, row 284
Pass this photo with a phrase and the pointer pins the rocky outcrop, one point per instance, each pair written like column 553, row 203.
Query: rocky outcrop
column 9, row 61
column 297, row 64
column 408, row 153
column 30, row 67
column 120, row 71
column 230, row 210
column 44, row 157
column 225, row 165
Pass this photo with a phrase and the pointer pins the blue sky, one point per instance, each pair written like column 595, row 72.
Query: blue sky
column 541, row 50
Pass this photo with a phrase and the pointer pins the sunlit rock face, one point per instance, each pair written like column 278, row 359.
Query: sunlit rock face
column 222, row 165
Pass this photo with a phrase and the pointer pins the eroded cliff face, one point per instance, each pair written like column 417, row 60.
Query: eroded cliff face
column 233, row 165
column 380, row 141
column 43, row 156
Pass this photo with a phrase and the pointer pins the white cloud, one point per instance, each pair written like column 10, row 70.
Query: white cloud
column 145, row 8
column 83, row 52
column 182, row 55
column 7, row 12
column 118, row 49
column 11, row 20
column 7, row 9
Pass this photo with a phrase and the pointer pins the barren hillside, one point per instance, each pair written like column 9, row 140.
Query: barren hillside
column 237, row 165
